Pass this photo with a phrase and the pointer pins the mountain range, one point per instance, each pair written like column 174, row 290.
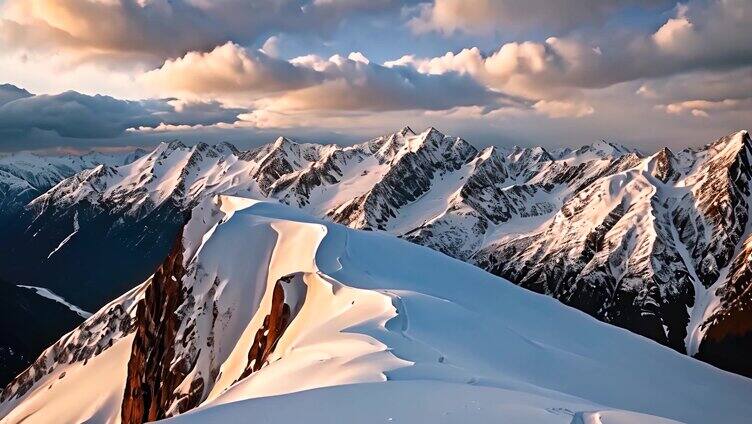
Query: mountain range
column 260, row 312
column 658, row 244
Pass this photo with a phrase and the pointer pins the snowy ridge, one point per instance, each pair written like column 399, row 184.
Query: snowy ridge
column 265, row 311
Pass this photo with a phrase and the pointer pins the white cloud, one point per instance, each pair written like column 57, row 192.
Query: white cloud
column 563, row 109
column 700, row 108
column 673, row 34
column 271, row 46
column 313, row 83
column 228, row 69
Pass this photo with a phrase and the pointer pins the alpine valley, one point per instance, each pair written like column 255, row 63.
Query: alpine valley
column 259, row 285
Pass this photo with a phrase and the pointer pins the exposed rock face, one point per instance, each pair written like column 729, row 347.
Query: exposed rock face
column 163, row 377
column 664, row 165
column 152, row 376
column 728, row 331
column 285, row 305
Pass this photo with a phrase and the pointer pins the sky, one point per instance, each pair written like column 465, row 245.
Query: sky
column 110, row 74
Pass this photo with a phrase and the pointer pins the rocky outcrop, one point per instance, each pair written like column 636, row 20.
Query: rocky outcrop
column 152, row 377
column 287, row 298
column 664, row 166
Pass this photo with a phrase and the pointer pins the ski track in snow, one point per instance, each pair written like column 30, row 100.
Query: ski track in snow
column 49, row 294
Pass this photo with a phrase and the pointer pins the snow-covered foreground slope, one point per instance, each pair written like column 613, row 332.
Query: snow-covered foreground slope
column 261, row 312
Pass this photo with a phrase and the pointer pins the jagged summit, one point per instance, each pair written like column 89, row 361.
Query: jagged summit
column 175, row 145
column 406, row 130
column 663, row 165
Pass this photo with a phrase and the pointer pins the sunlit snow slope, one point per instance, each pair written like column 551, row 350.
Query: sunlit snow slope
column 263, row 314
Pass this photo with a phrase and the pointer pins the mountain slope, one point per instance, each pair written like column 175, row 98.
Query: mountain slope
column 258, row 300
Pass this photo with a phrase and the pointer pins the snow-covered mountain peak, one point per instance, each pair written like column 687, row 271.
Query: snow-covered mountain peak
column 598, row 151
column 283, row 142
column 406, row 130
column 663, row 165
column 489, row 152
column 226, row 148
column 729, row 145
column 431, row 138
column 174, row 145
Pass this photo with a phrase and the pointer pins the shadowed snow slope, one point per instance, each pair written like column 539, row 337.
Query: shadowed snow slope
column 264, row 314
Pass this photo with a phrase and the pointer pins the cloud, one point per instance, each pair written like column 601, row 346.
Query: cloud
column 563, row 109
column 701, row 108
column 673, row 34
column 77, row 115
column 271, row 46
column 357, row 84
column 706, row 85
column 160, row 29
column 527, row 70
column 701, row 36
column 307, row 83
column 229, row 68
column 9, row 92
column 487, row 16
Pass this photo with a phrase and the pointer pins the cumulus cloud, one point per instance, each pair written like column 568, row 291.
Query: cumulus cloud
column 350, row 83
column 356, row 84
column 700, row 36
column 528, row 70
column 484, row 16
column 77, row 115
column 229, row 68
column 160, row 29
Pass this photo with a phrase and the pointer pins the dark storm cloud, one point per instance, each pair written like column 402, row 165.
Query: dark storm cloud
column 77, row 115
column 9, row 92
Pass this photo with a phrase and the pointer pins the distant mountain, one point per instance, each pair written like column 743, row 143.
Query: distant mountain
column 262, row 313
column 657, row 244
